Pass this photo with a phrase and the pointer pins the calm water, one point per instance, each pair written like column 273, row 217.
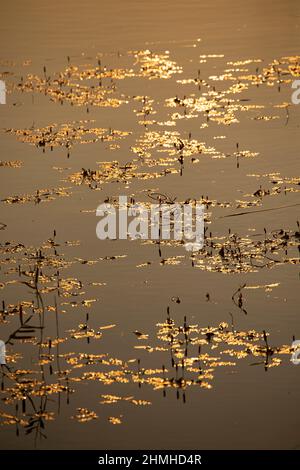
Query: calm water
column 128, row 344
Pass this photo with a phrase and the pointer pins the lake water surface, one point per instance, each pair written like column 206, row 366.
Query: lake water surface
column 123, row 344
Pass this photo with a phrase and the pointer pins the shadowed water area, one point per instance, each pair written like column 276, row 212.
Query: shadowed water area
column 122, row 344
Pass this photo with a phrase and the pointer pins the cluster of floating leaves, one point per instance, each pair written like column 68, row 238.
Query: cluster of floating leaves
column 90, row 84
column 97, row 85
column 274, row 184
column 154, row 65
column 182, row 356
column 192, row 354
column 41, row 270
column 80, row 86
column 41, row 195
column 83, row 415
column 114, row 172
column 237, row 254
